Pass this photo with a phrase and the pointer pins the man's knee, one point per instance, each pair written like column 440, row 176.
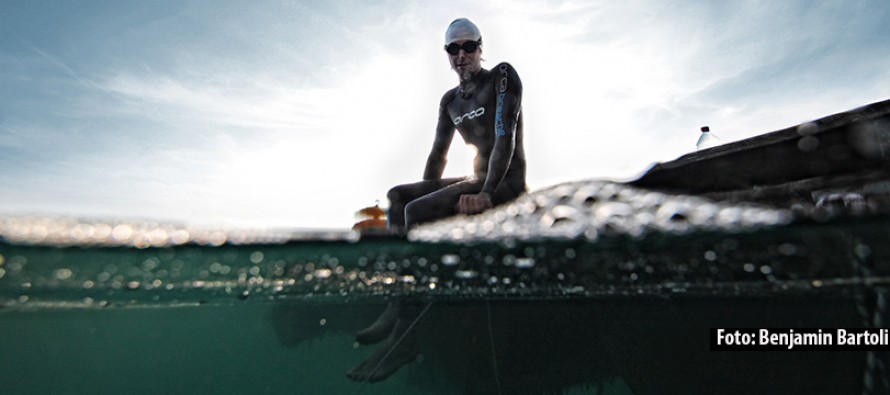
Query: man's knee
column 413, row 213
column 395, row 196
column 427, row 209
column 421, row 210
column 405, row 193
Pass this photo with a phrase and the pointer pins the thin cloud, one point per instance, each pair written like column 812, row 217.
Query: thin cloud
column 61, row 65
column 245, row 105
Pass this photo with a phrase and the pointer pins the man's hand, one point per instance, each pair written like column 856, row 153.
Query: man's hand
column 474, row 204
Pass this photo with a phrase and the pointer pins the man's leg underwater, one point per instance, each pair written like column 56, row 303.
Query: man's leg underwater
column 409, row 205
column 399, row 197
column 393, row 323
column 382, row 327
column 399, row 348
column 400, row 345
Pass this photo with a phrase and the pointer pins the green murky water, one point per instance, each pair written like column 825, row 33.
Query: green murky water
column 618, row 315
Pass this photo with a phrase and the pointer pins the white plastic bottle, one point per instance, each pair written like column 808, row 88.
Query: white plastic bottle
column 707, row 139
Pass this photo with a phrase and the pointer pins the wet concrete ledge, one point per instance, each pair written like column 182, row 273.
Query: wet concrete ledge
column 835, row 157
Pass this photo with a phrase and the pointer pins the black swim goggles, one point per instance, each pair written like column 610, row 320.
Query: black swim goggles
column 468, row 47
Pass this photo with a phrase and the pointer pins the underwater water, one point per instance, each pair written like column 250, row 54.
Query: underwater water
column 590, row 288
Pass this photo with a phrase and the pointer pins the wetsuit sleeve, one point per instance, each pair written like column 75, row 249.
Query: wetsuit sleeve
column 508, row 93
column 435, row 163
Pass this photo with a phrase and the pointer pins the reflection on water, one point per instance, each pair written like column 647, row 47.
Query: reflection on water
column 586, row 288
column 593, row 209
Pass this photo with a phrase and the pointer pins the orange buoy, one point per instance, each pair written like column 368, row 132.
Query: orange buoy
column 370, row 218
column 374, row 212
column 370, row 224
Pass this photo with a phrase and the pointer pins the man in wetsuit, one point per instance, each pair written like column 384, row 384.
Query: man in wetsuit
column 486, row 108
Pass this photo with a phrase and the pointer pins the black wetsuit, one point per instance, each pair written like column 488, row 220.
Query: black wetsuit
column 487, row 111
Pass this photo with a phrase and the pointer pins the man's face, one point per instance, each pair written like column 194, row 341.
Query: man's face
column 464, row 63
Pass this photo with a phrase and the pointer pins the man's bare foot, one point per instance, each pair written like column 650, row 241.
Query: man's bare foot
column 390, row 357
column 381, row 328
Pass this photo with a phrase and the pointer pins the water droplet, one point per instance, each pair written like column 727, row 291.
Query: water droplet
column 787, row 249
column 749, row 267
column 450, row 259
column 525, row 263
column 150, row 264
column 63, row 274
column 808, row 143
column 157, row 237
column 457, row 234
column 711, row 256
column 122, row 233
column 465, row 274
column 323, row 273
column 862, row 251
column 256, row 257
column 570, row 253
column 560, row 215
column 807, row 129
column 179, row 236
column 322, row 322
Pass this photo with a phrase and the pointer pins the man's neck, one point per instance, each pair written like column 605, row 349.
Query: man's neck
column 468, row 76
column 468, row 82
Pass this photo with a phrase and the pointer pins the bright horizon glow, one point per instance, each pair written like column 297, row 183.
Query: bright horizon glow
column 293, row 114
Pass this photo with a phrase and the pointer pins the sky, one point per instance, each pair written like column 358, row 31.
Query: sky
column 297, row 113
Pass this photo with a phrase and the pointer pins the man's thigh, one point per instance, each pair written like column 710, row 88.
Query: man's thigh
column 452, row 193
column 408, row 192
column 441, row 203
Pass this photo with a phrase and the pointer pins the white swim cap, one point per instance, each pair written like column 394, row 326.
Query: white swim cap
column 462, row 29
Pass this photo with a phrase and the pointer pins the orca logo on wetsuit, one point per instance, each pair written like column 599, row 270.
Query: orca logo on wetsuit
column 499, row 112
column 472, row 114
column 502, row 87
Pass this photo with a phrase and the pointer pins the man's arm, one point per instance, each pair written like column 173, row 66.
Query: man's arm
column 508, row 91
column 435, row 163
